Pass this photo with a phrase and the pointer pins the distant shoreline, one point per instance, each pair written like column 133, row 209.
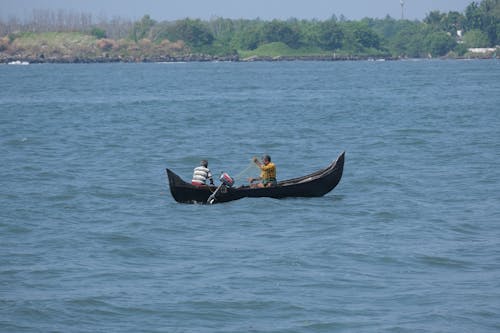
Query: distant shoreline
column 187, row 58
column 59, row 37
column 208, row 58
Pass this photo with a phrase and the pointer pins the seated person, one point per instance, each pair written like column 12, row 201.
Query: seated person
column 268, row 173
column 201, row 174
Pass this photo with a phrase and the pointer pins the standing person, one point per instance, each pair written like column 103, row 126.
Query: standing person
column 267, row 175
column 201, row 174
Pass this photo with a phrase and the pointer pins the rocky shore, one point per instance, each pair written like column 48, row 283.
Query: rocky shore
column 33, row 59
column 5, row 59
column 315, row 58
column 107, row 58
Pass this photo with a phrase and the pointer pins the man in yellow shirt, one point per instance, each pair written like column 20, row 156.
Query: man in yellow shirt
column 267, row 175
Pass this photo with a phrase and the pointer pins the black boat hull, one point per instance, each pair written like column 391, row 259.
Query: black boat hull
column 316, row 184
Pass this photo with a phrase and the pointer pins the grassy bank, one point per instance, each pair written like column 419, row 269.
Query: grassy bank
column 279, row 50
column 81, row 47
column 54, row 44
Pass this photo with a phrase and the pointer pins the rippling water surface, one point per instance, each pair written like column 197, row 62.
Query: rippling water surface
column 92, row 241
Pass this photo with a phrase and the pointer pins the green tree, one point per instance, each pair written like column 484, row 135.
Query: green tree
column 434, row 19
column 221, row 28
column 386, row 28
column 452, row 22
column 485, row 17
column 279, row 31
column 358, row 36
column 98, row 32
column 491, row 20
column 308, row 32
column 473, row 17
column 476, row 38
column 193, row 32
column 329, row 35
column 142, row 28
column 223, row 31
column 367, row 37
column 247, row 38
column 440, row 43
column 409, row 41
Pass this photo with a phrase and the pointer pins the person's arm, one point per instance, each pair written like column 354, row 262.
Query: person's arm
column 209, row 174
column 251, row 180
column 256, row 161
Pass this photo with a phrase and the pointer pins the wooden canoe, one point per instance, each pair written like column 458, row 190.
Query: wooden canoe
column 315, row 184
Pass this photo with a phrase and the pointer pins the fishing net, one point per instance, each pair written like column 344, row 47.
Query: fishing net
column 251, row 171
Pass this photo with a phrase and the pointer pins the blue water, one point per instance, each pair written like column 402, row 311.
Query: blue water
column 92, row 241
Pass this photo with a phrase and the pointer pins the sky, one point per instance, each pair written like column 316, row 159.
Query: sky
column 171, row 10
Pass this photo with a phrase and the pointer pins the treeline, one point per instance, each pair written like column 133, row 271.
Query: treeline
column 46, row 20
column 438, row 34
